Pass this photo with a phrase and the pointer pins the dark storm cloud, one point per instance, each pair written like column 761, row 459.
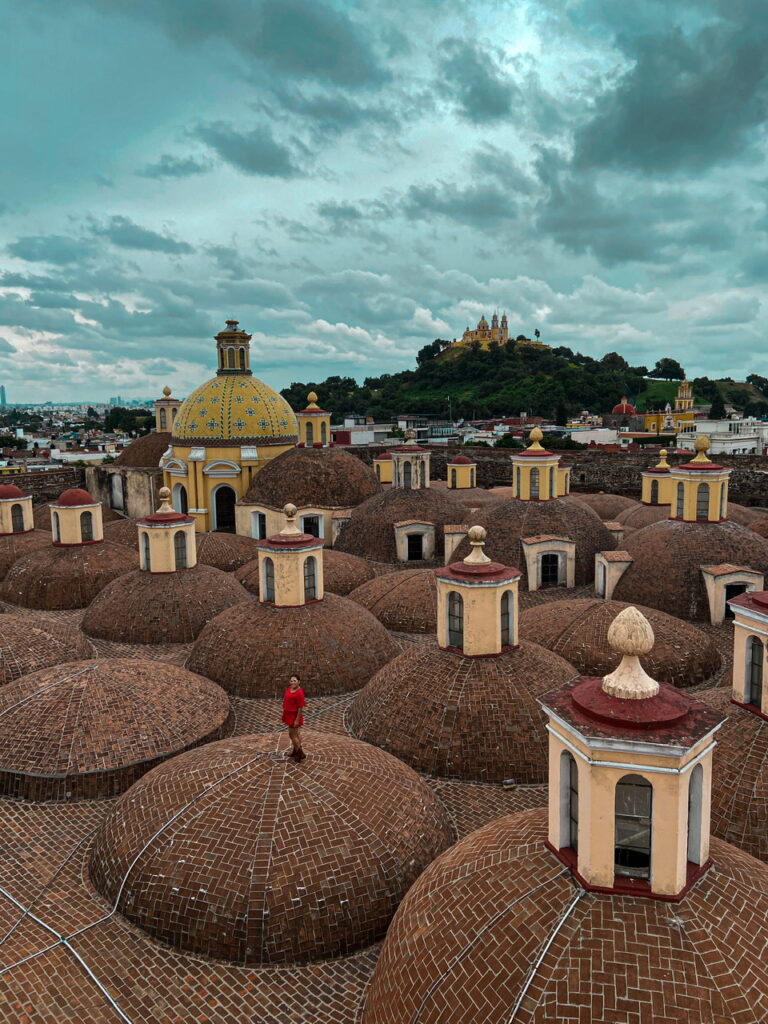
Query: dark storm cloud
column 330, row 111
column 125, row 234
column 471, row 77
column 253, row 152
column 57, row 249
column 169, row 166
column 480, row 206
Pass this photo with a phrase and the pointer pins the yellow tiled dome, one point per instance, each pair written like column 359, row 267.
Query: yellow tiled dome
column 238, row 409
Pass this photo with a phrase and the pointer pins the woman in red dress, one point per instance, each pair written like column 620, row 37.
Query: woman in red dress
column 293, row 702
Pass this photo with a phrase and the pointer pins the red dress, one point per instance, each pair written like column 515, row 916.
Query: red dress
column 292, row 702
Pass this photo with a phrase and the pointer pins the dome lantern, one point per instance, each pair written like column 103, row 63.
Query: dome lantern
column 166, row 409
column 699, row 488
column 16, row 514
column 630, row 769
column 536, row 473
column 462, row 473
column 167, row 538
column 76, row 519
column 233, row 348
column 477, row 606
column 656, row 484
column 290, row 565
column 410, row 464
column 314, row 424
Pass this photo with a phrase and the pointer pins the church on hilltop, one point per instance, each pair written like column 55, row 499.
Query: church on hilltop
column 498, row 332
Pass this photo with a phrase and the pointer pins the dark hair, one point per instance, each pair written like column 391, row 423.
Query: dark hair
column 295, row 675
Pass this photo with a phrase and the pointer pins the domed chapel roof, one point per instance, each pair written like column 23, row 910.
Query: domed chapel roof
column 323, row 477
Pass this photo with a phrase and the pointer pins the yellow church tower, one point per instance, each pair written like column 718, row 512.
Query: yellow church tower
column 684, row 399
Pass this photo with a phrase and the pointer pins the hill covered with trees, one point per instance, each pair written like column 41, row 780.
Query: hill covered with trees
column 509, row 379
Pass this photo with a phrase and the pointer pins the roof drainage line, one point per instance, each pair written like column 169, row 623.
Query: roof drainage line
column 65, row 942
column 50, row 686
column 470, row 945
column 547, row 945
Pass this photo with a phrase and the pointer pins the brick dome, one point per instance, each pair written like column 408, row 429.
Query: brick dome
column 234, row 852
column 607, row 506
column 225, row 551
column 743, row 515
column 639, row 515
column 666, row 572
column 341, row 573
column 470, row 718
column 507, row 522
column 144, row 452
column 252, row 650
column 461, row 460
column 405, row 602
column 475, row 931
column 760, row 527
column 321, row 477
column 578, row 631
column 29, row 643
column 14, row 546
column 123, row 531
column 88, row 729
column 740, row 775
column 155, row 608
column 10, row 491
column 74, row 497
column 64, row 577
column 369, row 532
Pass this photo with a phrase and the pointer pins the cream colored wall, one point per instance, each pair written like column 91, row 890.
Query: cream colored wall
column 597, row 802
column 482, row 615
column 718, row 486
column 6, row 514
column 743, row 628
column 451, row 540
column 244, row 519
column 314, row 424
column 715, row 587
column 613, row 573
column 461, row 477
column 383, row 470
column 563, row 481
column 548, row 474
column 419, row 462
column 289, row 573
column 162, row 551
column 666, row 488
column 425, row 530
column 561, row 546
column 70, row 531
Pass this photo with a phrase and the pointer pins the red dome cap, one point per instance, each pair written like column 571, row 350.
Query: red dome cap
column 624, row 408
column 462, row 460
column 8, row 491
column 75, row 496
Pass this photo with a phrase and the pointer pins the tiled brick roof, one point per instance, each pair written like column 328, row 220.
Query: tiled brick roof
column 156, row 608
column 509, row 521
column 495, row 931
column 607, row 506
column 65, row 577
column 467, row 718
column 89, row 729
column 14, row 545
column 666, row 572
column 225, row 551
column 32, row 642
column 145, row 452
column 405, row 602
column 324, row 477
column 760, row 527
column 341, row 573
column 333, row 645
column 578, row 631
column 235, row 852
column 642, row 515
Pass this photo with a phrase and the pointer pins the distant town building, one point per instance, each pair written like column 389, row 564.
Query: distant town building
column 498, row 331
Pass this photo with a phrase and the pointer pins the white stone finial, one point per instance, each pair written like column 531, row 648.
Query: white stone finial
column 410, row 436
column 290, row 529
column 164, row 494
column 477, row 555
column 630, row 635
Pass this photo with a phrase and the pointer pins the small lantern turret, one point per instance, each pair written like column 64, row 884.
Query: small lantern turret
column 699, row 488
column 314, row 424
column 76, row 518
column 233, row 349
column 167, row 538
column 290, row 565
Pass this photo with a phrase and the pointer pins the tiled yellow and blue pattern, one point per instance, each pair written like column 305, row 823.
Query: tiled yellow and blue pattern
column 235, row 408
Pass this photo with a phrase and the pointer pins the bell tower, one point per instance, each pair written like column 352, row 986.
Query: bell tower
column 165, row 411
column 233, row 350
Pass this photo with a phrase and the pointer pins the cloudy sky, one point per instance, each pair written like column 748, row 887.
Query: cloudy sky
column 352, row 179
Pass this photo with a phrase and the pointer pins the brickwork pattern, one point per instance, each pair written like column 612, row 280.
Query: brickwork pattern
column 760, row 527
column 41, row 514
column 508, row 522
column 607, row 506
column 14, row 546
column 29, row 643
column 495, row 930
column 148, row 608
column 238, row 853
column 405, row 602
column 321, row 477
column 638, row 516
column 341, row 573
column 123, row 531
column 578, row 631
column 89, row 729
column 145, row 452
column 666, row 571
column 224, row 551
column 64, row 577
column 456, row 717
column 333, row 645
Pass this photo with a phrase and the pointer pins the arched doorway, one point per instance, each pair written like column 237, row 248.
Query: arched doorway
column 224, row 499
column 550, row 570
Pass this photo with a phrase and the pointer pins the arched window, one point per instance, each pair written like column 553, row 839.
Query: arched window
column 323, row 432
column 634, row 809
column 17, row 518
column 55, row 525
column 310, row 578
column 552, row 488
column 518, row 478
column 180, row 549
column 472, row 477
column 722, row 501
column 310, row 432
column 163, row 420
column 601, row 579
column 180, row 498
column 455, row 620
column 680, row 501
column 269, row 580
column 145, row 556
column 230, row 359
column 754, row 687
column 453, row 478
column 407, row 475
column 569, row 801
column 654, row 492
column 241, row 358
column 506, row 618
column 86, row 525
column 534, row 482
column 695, row 801
column 702, row 501
column 377, row 467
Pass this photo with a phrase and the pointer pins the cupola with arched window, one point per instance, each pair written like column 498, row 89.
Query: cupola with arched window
column 477, row 603
column 15, row 510
column 699, row 488
column 167, row 540
column 76, row 518
column 750, row 643
column 536, row 473
column 166, row 409
column 290, row 565
column 630, row 770
column 233, row 348
column 314, row 424
column 410, row 464
column 657, row 486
